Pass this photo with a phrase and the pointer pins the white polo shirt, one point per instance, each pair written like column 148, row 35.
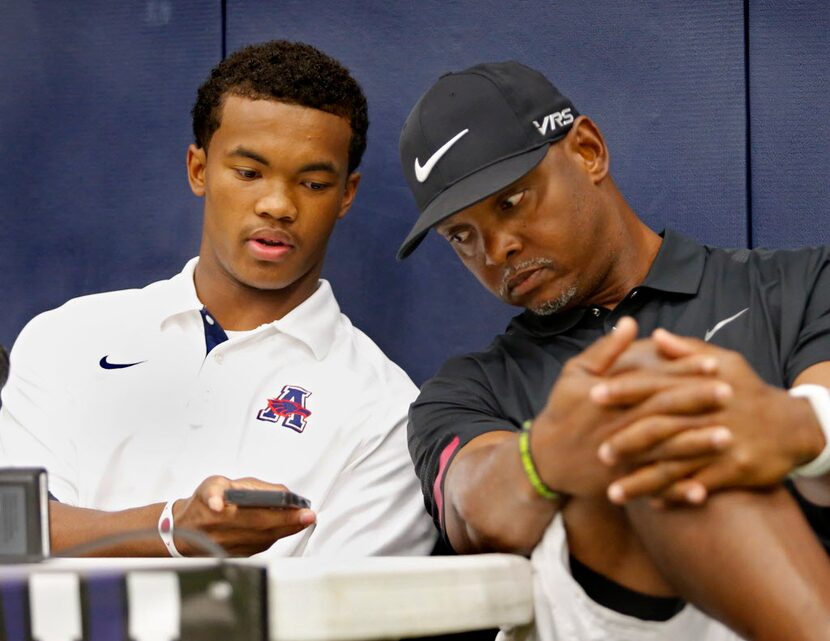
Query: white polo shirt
column 115, row 396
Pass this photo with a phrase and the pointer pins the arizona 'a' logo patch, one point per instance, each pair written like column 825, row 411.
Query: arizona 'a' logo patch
column 289, row 407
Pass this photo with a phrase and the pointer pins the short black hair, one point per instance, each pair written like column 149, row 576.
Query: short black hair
column 291, row 72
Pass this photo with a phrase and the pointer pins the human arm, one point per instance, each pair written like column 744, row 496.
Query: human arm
column 487, row 502
column 34, row 428
column 791, row 435
column 757, row 539
column 240, row 531
column 815, row 490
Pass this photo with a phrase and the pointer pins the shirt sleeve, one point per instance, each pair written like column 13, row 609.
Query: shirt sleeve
column 453, row 408
column 812, row 344
column 33, row 431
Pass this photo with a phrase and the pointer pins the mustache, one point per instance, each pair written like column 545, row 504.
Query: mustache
column 511, row 270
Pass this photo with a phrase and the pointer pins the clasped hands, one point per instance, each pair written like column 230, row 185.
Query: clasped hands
column 666, row 417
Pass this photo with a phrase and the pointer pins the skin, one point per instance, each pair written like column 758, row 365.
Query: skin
column 667, row 460
column 241, row 531
column 562, row 222
column 259, row 174
column 271, row 170
column 663, row 419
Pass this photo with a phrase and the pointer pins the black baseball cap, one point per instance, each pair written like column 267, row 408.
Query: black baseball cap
column 473, row 133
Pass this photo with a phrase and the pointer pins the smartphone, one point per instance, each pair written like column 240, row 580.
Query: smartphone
column 266, row 498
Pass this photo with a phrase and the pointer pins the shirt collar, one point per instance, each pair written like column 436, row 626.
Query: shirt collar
column 677, row 268
column 313, row 322
column 178, row 294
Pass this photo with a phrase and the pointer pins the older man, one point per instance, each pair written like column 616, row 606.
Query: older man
column 571, row 438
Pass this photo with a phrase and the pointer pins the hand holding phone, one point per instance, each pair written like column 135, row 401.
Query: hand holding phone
column 266, row 498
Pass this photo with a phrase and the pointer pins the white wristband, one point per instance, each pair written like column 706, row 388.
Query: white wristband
column 819, row 397
column 165, row 527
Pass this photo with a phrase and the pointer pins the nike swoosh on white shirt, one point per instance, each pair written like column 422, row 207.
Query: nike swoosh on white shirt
column 711, row 332
column 422, row 172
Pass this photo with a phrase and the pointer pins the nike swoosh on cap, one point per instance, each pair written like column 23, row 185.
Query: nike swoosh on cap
column 104, row 363
column 711, row 332
column 422, row 172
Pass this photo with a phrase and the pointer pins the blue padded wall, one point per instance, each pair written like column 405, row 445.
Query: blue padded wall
column 654, row 75
column 789, row 85
column 94, row 122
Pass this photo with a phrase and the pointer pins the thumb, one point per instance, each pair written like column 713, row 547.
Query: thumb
column 599, row 356
column 674, row 346
column 212, row 492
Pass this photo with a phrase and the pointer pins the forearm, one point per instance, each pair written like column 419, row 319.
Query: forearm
column 241, row 531
column 747, row 558
column 489, row 504
column 71, row 526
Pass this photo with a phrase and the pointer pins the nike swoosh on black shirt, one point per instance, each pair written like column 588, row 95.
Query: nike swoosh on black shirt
column 107, row 365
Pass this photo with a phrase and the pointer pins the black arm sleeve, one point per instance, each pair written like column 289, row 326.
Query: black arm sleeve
column 812, row 344
column 453, row 408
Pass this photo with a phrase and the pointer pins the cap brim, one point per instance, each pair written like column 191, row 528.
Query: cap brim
column 469, row 191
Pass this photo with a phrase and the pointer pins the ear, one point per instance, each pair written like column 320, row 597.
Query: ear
column 196, row 165
column 587, row 141
column 349, row 192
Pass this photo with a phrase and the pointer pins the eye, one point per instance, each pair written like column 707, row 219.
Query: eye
column 458, row 237
column 246, row 174
column 314, row 185
column 512, row 200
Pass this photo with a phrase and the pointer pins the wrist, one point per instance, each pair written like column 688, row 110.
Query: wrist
column 533, row 454
column 811, row 420
column 167, row 529
column 182, row 545
column 531, row 471
column 809, row 439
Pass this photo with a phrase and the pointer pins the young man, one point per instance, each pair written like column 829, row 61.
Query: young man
column 640, row 471
column 241, row 365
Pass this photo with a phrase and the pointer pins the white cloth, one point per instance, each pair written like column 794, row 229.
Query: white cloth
column 563, row 612
column 118, row 438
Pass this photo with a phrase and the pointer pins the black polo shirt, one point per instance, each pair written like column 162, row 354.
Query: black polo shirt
column 771, row 306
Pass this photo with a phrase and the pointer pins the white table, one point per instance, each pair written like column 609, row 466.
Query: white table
column 307, row 599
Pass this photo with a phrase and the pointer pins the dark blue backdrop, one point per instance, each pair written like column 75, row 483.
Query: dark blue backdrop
column 716, row 114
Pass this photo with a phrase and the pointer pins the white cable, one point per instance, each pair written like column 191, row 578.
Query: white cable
column 819, row 397
column 165, row 527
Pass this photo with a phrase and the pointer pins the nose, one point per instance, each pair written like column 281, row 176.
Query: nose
column 499, row 246
column 277, row 203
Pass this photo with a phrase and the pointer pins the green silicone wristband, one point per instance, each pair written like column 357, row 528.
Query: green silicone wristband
column 530, row 468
